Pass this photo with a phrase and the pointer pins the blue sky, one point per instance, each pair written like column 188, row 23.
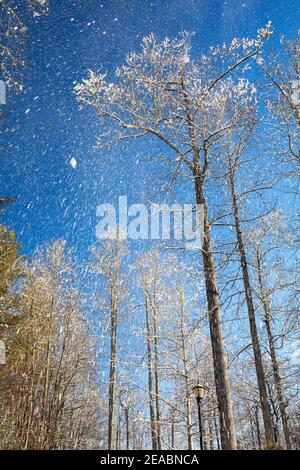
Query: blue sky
column 54, row 200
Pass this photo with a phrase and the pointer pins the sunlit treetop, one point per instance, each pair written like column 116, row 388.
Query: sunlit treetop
column 162, row 91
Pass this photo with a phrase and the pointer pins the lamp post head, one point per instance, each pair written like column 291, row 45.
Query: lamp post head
column 199, row 391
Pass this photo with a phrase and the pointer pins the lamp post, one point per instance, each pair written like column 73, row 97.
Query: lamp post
column 199, row 394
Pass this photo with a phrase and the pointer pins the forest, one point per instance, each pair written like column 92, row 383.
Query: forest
column 147, row 342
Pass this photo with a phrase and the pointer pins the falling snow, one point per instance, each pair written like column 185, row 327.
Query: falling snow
column 73, row 163
column 115, row 99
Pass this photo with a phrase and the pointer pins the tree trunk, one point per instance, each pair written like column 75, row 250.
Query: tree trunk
column 112, row 368
column 156, row 375
column 216, row 430
column 257, row 427
column 150, row 378
column 46, row 385
column 186, row 374
column 276, row 373
column 252, row 427
column 172, row 436
column 210, row 423
column 227, row 431
column 118, row 430
column 251, row 314
column 127, row 427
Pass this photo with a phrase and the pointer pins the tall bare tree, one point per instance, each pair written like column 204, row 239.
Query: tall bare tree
column 283, row 103
column 162, row 94
column 234, row 161
column 109, row 260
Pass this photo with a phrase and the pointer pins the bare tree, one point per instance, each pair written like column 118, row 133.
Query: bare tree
column 267, row 228
column 149, row 279
column 284, row 99
column 109, row 260
column 49, row 376
column 234, row 161
column 162, row 94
